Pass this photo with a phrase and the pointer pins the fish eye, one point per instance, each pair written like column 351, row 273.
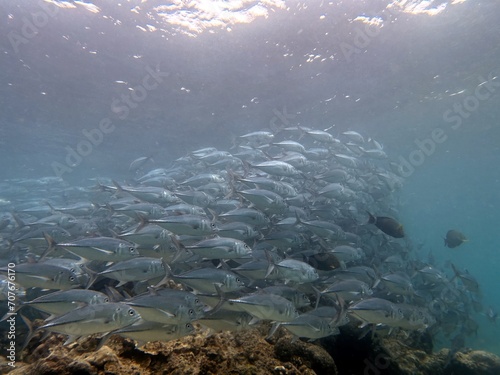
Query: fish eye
column 71, row 278
column 196, row 300
column 188, row 325
column 131, row 249
column 191, row 312
column 106, row 300
column 131, row 312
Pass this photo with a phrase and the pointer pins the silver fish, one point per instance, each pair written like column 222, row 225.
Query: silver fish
column 44, row 276
column 205, row 280
column 144, row 332
column 136, row 269
column 310, row 326
column 265, row 200
column 249, row 216
column 227, row 320
column 349, row 290
column 376, row 311
column 277, row 168
column 221, row 248
column 295, row 270
column 192, row 225
column 106, row 249
column 171, row 308
column 267, row 307
column 91, row 319
column 61, row 302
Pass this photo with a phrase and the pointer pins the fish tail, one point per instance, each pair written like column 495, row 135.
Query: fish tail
column 50, row 206
column 51, row 245
column 31, row 333
column 246, row 168
column 271, row 266
column 20, row 223
column 273, row 329
column 318, row 296
column 341, row 308
column 180, row 249
column 118, row 186
column 113, row 294
column 222, row 301
column 168, row 270
column 93, row 276
column 143, row 222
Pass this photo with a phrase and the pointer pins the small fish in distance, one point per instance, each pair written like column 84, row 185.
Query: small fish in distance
column 454, row 238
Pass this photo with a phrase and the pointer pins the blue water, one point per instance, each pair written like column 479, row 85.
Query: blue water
column 309, row 63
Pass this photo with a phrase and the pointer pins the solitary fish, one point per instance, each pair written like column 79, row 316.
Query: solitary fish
column 387, row 225
column 454, row 238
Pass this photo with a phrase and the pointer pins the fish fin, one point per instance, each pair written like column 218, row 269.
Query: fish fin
column 315, row 329
column 213, row 213
column 93, row 276
column 143, row 221
column 71, row 339
column 103, row 340
column 51, row 245
column 118, row 187
column 254, row 321
column 318, row 296
column 371, row 219
column 273, row 330
column 341, row 310
column 20, row 224
column 31, row 333
column 114, row 234
column 271, row 266
column 168, row 274
column 113, row 294
column 169, row 314
column 180, row 250
column 50, row 206
column 221, row 302
column 168, row 270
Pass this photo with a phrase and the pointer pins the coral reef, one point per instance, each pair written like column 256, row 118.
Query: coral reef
column 248, row 352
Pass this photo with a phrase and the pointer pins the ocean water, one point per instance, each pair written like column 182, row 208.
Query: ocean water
column 87, row 87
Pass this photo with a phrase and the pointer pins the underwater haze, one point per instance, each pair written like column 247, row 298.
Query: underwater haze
column 86, row 87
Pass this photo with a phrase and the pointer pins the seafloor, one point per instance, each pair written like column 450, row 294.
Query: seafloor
column 248, row 352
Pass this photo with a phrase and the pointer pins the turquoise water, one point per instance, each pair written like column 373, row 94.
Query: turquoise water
column 166, row 80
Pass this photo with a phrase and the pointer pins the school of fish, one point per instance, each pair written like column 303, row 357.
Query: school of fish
column 297, row 228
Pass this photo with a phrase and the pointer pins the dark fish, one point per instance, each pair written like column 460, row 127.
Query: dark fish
column 454, row 238
column 387, row 225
